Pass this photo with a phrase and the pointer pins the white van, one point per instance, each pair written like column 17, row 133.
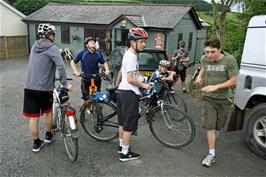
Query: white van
column 250, row 95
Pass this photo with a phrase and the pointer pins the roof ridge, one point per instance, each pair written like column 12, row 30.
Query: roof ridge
column 121, row 4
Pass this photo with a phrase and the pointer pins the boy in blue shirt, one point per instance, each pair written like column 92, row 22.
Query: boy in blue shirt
column 89, row 60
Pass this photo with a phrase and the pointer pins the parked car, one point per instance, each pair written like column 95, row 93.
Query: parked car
column 250, row 96
column 148, row 60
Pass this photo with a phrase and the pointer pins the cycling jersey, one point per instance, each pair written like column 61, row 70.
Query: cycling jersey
column 89, row 61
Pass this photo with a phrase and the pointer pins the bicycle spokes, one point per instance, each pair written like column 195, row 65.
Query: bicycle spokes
column 166, row 117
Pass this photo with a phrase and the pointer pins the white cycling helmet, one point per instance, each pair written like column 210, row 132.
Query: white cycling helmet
column 45, row 29
column 165, row 63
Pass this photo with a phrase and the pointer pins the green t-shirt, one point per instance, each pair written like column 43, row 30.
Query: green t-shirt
column 217, row 73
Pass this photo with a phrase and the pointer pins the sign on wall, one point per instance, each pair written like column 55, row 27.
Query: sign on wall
column 159, row 41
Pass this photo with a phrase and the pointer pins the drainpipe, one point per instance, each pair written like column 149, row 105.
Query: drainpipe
column 196, row 46
column 28, row 38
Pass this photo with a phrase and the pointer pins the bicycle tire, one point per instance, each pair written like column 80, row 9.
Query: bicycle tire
column 175, row 99
column 103, row 128
column 70, row 142
column 173, row 131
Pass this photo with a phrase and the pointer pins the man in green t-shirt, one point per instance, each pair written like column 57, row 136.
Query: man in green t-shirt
column 217, row 75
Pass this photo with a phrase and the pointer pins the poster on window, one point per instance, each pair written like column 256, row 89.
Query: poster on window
column 159, row 41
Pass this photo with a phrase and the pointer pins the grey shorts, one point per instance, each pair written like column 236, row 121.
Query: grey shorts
column 215, row 113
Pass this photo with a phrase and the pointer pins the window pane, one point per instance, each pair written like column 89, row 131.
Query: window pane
column 180, row 37
column 190, row 41
column 65, row 35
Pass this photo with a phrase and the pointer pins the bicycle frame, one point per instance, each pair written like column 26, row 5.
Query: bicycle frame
column 64, row 108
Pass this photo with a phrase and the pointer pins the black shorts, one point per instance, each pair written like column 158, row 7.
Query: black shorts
column 85, row 86
column 128, row 109
column 37, row 102
column 181, row 73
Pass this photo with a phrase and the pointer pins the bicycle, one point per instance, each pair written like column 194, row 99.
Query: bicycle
column 96, row 114
column 65, row 121
column 171, row 97
column 168, row 124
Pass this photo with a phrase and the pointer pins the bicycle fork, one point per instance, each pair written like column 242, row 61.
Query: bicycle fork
column 165, row 115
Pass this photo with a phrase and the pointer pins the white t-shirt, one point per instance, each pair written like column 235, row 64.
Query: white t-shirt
column 129, row 63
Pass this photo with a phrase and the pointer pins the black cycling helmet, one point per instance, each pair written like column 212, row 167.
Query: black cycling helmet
column 89, row 39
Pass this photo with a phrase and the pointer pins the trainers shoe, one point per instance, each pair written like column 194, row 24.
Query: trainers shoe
column 119, row 150
column 48, row 138
column 37, row 147
column 208, row 161
column 129, row 156
column 172, row 90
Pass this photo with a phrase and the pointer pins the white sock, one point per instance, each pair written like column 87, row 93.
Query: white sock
column 120, row 142
column 125, row 149
column 212, row 152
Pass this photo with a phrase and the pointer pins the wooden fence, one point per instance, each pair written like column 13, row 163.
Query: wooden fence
column 13, row 47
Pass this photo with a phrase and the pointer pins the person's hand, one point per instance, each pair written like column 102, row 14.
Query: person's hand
column 147, row 86
column 209, row 88
column 106, row 72
column 199, row 80
column 77, row 73
column 164, row 78
column 70, row 87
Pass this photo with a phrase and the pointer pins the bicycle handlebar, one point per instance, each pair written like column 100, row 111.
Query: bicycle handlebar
column 90, row 76
column 68, row 79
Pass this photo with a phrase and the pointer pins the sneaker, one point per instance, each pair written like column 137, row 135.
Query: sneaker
column 172, row 90
column 208, row 161
column 129, row 156
column 48, row 138
column 37, row 147
column 119, row 150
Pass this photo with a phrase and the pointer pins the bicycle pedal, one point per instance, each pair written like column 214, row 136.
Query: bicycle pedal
column 98, row 129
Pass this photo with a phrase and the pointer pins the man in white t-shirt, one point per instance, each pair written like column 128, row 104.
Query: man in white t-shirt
column 128, row 83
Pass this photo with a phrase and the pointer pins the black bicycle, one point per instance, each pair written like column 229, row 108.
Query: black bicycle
column 168, row 124
column 65, row 121
column 95, row 110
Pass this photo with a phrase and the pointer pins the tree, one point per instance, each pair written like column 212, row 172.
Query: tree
column 219, row 16
column 29, row 6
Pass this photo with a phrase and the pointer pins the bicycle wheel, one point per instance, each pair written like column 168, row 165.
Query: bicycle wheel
column 175, row 99
column 171, row 126
column 70, row 139
column 101, row 124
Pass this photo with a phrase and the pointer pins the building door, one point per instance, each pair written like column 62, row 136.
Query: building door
column 124, row 37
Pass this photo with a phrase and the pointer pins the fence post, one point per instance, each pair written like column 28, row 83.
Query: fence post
column 6, row 49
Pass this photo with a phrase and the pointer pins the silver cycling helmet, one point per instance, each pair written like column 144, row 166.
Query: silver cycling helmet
column 165, row 63
column 45, row 29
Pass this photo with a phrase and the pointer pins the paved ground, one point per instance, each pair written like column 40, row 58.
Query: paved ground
column 100, row 159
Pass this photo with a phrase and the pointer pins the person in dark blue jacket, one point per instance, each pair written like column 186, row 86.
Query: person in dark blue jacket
column 89, row 59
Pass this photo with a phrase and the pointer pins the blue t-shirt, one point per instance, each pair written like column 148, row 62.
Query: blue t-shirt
column 89, row 61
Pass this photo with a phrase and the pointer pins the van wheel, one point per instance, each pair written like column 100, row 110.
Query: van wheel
column 256, row 130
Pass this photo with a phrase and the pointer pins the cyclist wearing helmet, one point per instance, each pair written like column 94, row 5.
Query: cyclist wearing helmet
column 181, row 62
column 38, row 90
column 89, row 59
column 128, row 93
column 163, row 72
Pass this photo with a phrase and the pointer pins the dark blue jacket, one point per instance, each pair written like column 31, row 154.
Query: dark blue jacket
column 89, row 61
